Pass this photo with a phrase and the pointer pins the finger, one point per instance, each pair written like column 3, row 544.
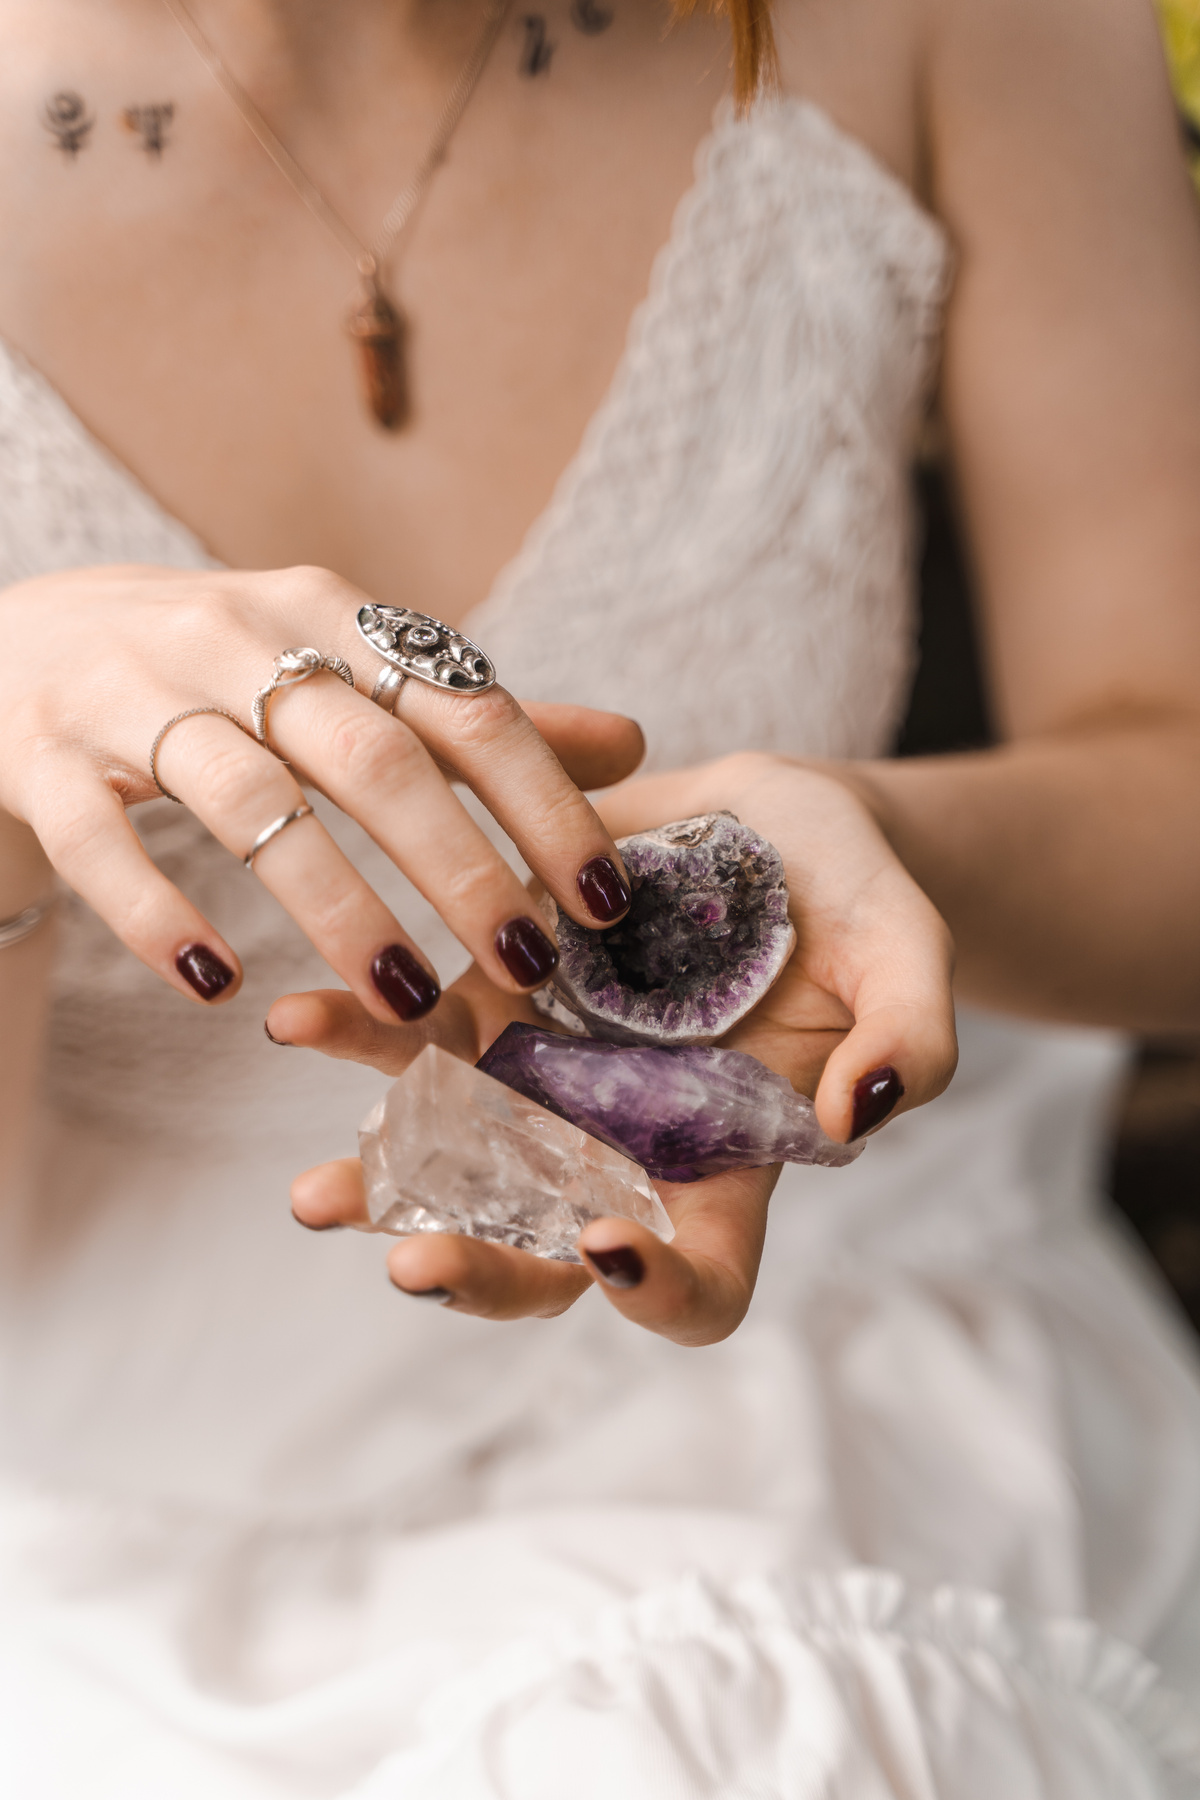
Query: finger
column 898, row 1056
column 339, row 1025
column 595, row 748
column 494, row 747
column 490, row 1281
column 469, row 1017
column 239, row 790
column 85, row 831
column 380, row 772
column 694, row 1290
column 331, row 1195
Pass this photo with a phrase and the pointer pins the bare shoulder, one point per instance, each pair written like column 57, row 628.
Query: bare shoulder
column 1075, row 88
column 859, row 60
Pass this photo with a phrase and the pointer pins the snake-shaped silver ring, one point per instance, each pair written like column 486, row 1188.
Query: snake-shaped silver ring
column 292, row 667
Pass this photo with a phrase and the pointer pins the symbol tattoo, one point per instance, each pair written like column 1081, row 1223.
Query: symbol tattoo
column 591, row 19
column 66, row 117
column 150, row 123
column 535, row 57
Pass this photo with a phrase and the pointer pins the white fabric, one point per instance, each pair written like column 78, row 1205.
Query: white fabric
column 269, row 1531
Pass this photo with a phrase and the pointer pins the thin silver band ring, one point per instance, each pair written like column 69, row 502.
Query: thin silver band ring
column 193, row 712
column 24, row 924
column 272, row 831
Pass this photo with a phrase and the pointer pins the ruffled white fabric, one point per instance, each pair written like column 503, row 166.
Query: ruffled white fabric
column 231, row 1458
column 840, row 1685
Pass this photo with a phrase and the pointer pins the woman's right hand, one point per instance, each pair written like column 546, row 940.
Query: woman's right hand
column 95, row 661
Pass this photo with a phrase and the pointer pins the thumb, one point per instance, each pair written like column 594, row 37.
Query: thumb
column 595, row 748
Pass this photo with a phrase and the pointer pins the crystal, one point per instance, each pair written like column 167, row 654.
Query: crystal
column 706, row 935
column 448, row 1148
column 682, row 1111
column 378, row 330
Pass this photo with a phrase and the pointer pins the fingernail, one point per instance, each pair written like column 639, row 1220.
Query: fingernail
column 438, row 1295
column 203, row 971
column 280, row 1041
column 621, row 1268
column 333, row 1225
column 603, row 889
column 875, row 1094
column 526, row 952
column 410, row 990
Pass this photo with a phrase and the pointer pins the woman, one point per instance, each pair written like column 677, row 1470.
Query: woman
column 272, row 1529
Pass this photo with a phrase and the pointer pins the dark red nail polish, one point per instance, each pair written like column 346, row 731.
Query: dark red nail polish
column 526, row 952
column 438, row 1296
column 621, row 1268
column 203, row 971
column 603, row 889
column 282, row 1042
column 409, row 989
column 333, row 1225
column 875, row 1094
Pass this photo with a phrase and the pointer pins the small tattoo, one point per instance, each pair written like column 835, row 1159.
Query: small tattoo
column 150, row 123
column 535, row 57
column 589, row 18
column 66, row 117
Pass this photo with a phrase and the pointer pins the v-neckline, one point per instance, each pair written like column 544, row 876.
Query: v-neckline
column 669, row 252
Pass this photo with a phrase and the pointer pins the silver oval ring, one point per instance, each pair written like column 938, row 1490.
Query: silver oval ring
column 291, row 668
column 272, row 831
column 412, row 643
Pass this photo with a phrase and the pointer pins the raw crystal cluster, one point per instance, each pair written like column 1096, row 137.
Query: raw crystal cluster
column 704, row 938
column 448, row 1148
column 682, row 1111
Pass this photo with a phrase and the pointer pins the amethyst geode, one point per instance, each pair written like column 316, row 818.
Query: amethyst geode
column 682, row 1111
column 704, row 938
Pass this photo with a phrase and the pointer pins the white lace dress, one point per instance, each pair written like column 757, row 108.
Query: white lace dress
column 270, row 1531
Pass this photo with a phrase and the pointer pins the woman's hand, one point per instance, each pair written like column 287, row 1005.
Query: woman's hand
column 96, row 661
column 862, row 1016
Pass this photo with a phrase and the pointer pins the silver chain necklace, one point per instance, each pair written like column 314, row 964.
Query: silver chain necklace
column 376, row 324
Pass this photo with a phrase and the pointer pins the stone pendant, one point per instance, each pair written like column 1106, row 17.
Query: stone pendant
column 378, row 330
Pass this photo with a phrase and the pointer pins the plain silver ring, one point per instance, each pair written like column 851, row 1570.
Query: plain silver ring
column 272, row 831
column 386, row 691
column 193, row 712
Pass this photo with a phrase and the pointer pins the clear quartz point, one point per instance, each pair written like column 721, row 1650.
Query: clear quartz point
column 447, row 1148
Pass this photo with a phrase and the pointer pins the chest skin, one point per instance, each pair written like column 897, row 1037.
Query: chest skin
column 191, row 310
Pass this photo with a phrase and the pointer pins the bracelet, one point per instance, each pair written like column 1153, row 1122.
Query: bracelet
column 23, row 924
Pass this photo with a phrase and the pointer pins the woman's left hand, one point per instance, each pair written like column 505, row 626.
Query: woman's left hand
column 861, row 1018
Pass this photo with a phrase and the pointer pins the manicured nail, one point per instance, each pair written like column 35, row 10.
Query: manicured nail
column 875, row 1094
column 203, row 971
column 333, row 1225
column 438, row 1295
column 526, row 952
column 603, row 889
column 621, row 1268
column 410, row 990
column 280, row 1041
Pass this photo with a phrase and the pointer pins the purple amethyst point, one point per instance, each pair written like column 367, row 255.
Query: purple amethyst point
column 682, row 1111
column 706, row 935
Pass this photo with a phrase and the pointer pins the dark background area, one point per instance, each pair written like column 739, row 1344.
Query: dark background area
column 1154, row 1168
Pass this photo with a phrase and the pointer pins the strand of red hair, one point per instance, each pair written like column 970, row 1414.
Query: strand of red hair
column 755, row 59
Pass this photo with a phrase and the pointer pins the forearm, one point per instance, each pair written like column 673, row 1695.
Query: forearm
column 1067, row 868
column 25, row 880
